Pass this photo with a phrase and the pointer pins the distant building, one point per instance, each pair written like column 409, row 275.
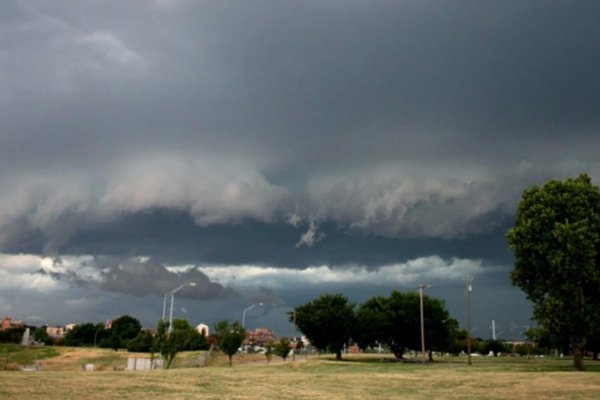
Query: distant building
column 8, row 323
column 202, row 328
column 69, row 327
column 55, row 332
column 259, row 337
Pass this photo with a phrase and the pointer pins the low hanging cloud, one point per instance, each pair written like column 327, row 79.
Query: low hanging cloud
column 424, row 269
column 136, row 276
column 56, row 209
column 396, row 207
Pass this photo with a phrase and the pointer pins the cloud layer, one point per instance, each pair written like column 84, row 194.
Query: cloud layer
column 355, row 137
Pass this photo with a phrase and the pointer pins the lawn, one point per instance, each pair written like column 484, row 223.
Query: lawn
column 357, row 377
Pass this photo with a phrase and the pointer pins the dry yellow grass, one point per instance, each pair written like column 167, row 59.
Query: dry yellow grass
column 359, row 378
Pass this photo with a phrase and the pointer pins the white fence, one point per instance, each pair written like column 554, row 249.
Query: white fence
column 144, row 364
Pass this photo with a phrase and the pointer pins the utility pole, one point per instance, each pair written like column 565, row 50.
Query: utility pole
column 421, row 287
column 469, row 288
column 295, row 339
column 493, row 330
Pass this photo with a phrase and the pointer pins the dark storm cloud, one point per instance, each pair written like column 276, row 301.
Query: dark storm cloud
column 143, row 278
column 411, row 79
column 287, row 133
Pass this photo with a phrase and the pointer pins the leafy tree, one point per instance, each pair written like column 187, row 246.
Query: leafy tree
column 40, row 335
column 142, row 343
column 328, row 322
column 282, row 348
column 440, row 329
column 395, row 322
column 495, row 346
column 80, row 335
column 269, row 350
column 593, row 345
column 122, row 330
column 543, row 340
column 374, row 322
column 229, row 337
column 183, row 337
column 556, row 243
column 12, row 335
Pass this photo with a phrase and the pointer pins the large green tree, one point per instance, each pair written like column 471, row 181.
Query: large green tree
column 556, row 243
column 328, row 322
column 122, row 330
column 395, row 322
column 229, row 337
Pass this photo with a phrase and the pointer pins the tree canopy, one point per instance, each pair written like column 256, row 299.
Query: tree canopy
column 85, row 335
column 328, row 322
column 183, row 337
column 556, row 244
column 229, row 337
column 282, row 348
column 122, row 330
column 395, row 322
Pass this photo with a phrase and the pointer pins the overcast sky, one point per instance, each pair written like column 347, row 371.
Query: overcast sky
column 272, row 151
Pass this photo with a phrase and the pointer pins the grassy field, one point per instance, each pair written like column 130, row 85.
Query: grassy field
column 357, row 377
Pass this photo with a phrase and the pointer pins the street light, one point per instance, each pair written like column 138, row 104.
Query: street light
column 421, row 287
column 469, row 287
column 248, row 309
column 171, row 294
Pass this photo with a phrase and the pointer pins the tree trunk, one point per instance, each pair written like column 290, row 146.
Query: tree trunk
column 430, row 355
column 230, row 357
column 338, row 354
column 578, row 359
column 595, row 355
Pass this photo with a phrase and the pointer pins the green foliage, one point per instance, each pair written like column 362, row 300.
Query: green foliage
column 16, row 354
column 183, row 337
column 556, row 243
column 395, row 322
column 328, row 322
column 142, row 343
column 495, row 347
column 269, row 350
column 229, row 337
column 544, row 341
column 282, row 348
column 11, row 335
column 41, row 336
column 122, row 330
column 84, row 335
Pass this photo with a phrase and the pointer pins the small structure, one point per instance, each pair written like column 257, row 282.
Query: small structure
column 55, row 332
column 26, row 341
column 202, row 329
column 259, row 337
column 144, row 364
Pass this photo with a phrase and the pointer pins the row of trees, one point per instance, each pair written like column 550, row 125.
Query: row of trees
column 330, row 322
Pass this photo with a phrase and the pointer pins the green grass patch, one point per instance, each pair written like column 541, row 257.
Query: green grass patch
column 16, row 354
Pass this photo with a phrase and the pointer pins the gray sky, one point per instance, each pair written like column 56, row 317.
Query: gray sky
column 272, row 151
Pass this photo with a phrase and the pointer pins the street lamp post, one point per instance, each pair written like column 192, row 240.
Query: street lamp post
column 246, row 310
column 171, row 294
column 421, row 287
column 469, row 287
